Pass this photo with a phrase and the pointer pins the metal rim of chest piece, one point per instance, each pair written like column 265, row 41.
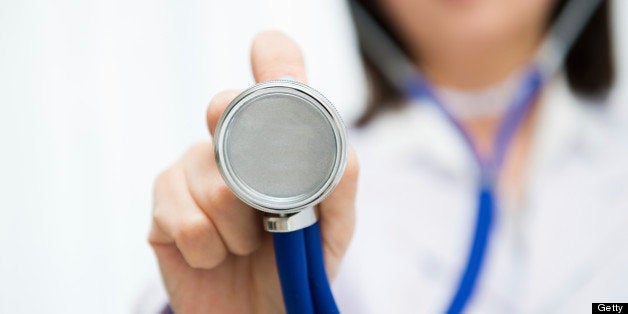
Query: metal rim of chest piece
column 275, row 210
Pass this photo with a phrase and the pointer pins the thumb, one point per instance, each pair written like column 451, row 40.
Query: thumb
column 337, row 216
column 274, row 56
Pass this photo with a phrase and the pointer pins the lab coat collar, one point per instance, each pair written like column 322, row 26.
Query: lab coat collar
column 439, row 143
column 564, row 126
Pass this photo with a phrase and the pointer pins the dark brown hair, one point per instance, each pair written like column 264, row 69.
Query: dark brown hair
column 589, row 66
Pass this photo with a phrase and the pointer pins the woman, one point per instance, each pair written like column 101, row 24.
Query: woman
column 558, row 232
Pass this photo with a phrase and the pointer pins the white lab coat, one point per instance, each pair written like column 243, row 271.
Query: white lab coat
column 560, row 249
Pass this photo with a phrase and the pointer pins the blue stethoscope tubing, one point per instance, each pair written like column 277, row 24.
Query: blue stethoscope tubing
column 291, row 257
column 402, row 74
column 301, row 266
column 299, row 254
column 522, row 102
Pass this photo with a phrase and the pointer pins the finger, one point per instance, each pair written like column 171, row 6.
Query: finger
column 238, row 224
column 337, row 215
column 178, row 221
column 274, row 56
column 216, row 107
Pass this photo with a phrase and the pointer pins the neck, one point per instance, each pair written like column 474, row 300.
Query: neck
column 477, row 66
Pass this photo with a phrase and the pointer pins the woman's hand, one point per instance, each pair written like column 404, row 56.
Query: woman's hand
column 213, row 253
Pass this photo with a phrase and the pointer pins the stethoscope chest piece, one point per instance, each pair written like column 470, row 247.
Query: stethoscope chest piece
column 280, row 147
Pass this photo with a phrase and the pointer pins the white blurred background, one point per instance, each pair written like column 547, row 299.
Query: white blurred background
column 97, row 97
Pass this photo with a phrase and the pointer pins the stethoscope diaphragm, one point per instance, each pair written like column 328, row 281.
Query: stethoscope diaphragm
column 280, row 147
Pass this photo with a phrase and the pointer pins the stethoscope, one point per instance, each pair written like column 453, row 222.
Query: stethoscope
column 280, row 147
column 404, row 76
